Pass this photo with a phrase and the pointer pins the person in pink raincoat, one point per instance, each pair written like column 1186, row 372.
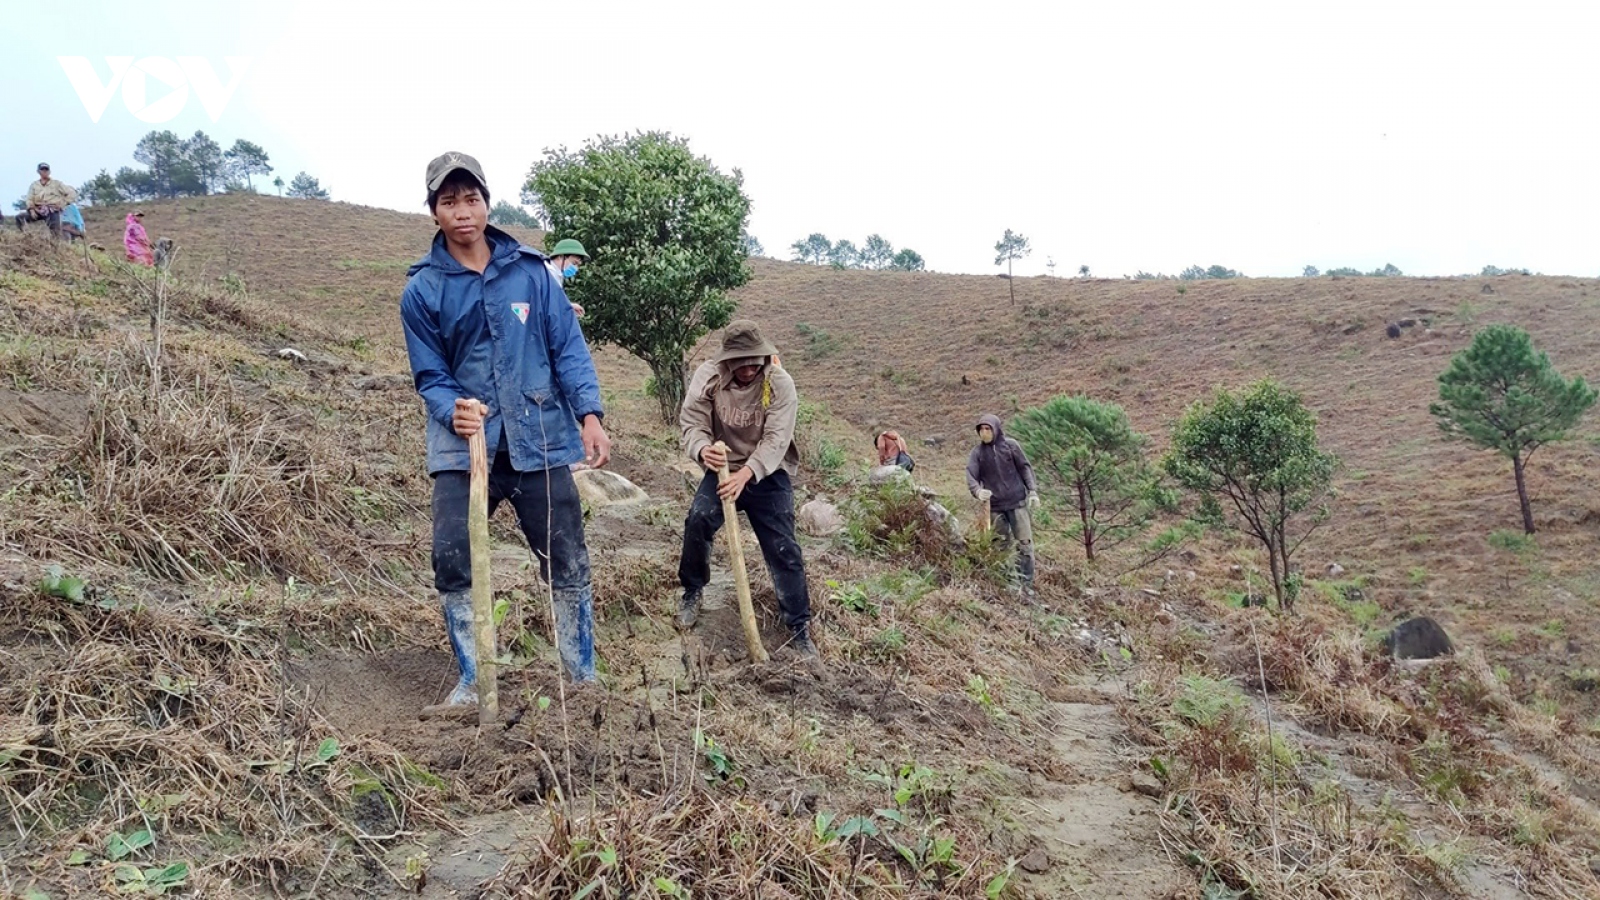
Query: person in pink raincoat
column 137, row 242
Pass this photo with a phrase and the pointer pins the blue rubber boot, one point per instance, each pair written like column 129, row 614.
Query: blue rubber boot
column 575, row 632
column 458, row 621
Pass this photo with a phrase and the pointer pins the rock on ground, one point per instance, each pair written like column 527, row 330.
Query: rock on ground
column 820, row 518
column 886, row 474
column 1419, row 638
column 601, row 488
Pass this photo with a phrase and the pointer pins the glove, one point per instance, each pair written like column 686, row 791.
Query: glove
column 983, row 495
column 1033, row 499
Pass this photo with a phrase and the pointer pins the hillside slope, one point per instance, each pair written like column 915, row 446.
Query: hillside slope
column 927, row 354
column 1039, row 725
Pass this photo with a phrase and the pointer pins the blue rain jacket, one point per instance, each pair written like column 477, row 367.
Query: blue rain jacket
column 507, row 337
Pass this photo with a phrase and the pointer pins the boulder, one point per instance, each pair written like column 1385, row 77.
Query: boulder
column 601, row 488
column 820, row 518
column 882, row 475
column 1418, row 638
column 1335, row 570
column 941, row 516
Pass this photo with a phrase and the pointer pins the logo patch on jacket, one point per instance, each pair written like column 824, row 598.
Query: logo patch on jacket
column 520, row 310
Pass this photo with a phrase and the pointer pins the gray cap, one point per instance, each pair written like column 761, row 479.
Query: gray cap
column 442, row 166
column 44, row 167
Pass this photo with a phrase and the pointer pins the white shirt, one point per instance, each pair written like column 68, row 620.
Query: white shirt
column 556, row 274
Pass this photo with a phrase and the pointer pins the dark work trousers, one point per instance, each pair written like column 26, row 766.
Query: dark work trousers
column 549, row 511
column 770, row 505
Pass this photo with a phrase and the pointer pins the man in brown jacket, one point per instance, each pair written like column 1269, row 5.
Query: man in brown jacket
column 47, row 197
column 742, row 399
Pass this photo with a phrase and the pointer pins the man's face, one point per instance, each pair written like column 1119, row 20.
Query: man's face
column 747, row 373
column 986, row 434
column 44, row 176
column 461, row 214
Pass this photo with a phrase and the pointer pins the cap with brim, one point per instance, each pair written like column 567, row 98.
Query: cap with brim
column 139, row 213
column 569, row 247
column 742, row 340
column 442, row 166
column 44, row 167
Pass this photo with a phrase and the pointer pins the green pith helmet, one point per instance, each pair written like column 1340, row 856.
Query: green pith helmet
column 569, row 247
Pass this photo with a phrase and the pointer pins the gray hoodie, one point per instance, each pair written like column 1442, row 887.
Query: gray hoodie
column 1001, row 468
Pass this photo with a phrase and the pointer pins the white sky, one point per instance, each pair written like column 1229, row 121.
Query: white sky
column 1124, row 135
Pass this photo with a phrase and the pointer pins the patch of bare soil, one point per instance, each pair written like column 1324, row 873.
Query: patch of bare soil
column 1097, row 829
column 40, row 414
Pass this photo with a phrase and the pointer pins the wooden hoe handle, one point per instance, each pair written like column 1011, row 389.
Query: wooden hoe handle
column 741, row 578
column 482, row 594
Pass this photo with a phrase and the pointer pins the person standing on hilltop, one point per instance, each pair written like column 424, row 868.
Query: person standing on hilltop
column 494, row 346
column 46, row 199
column 738, row 398
column 565, row 259
column 998, row 471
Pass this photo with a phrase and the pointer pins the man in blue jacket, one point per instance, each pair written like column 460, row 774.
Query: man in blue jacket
column 494, row 345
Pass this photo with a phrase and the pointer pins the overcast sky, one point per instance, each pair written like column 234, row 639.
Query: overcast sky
column 1439, row 137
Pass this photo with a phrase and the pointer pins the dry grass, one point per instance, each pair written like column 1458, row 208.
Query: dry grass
column 1271, row 821
column 219, row 466
column 131, row 718
column 1247, row 813
column 694, row 841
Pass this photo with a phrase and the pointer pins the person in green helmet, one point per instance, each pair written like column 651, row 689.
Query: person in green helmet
column 565, row 258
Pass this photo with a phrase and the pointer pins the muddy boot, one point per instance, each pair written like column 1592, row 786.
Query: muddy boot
column 458, row 622
column 688, row 609
column 801, row 644
column 575, row 632
column 1025, row 572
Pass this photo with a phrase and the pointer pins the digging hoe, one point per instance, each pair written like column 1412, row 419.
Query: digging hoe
column 482, row 596
column 741, row 578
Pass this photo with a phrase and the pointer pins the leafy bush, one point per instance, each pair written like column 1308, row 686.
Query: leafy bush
column 894, row 521
column 1255, row 454
column 1098, row 466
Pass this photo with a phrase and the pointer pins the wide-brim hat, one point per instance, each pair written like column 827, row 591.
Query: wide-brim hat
column 743, row 339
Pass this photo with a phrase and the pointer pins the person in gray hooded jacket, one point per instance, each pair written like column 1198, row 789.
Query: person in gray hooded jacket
column 998, row 471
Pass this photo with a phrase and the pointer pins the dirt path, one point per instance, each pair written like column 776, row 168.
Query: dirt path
column 1100, row 831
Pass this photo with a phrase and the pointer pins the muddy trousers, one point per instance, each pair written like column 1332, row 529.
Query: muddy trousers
column 51, row 219
column 1015, row 526
column 769, row 503
column 551, row 516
